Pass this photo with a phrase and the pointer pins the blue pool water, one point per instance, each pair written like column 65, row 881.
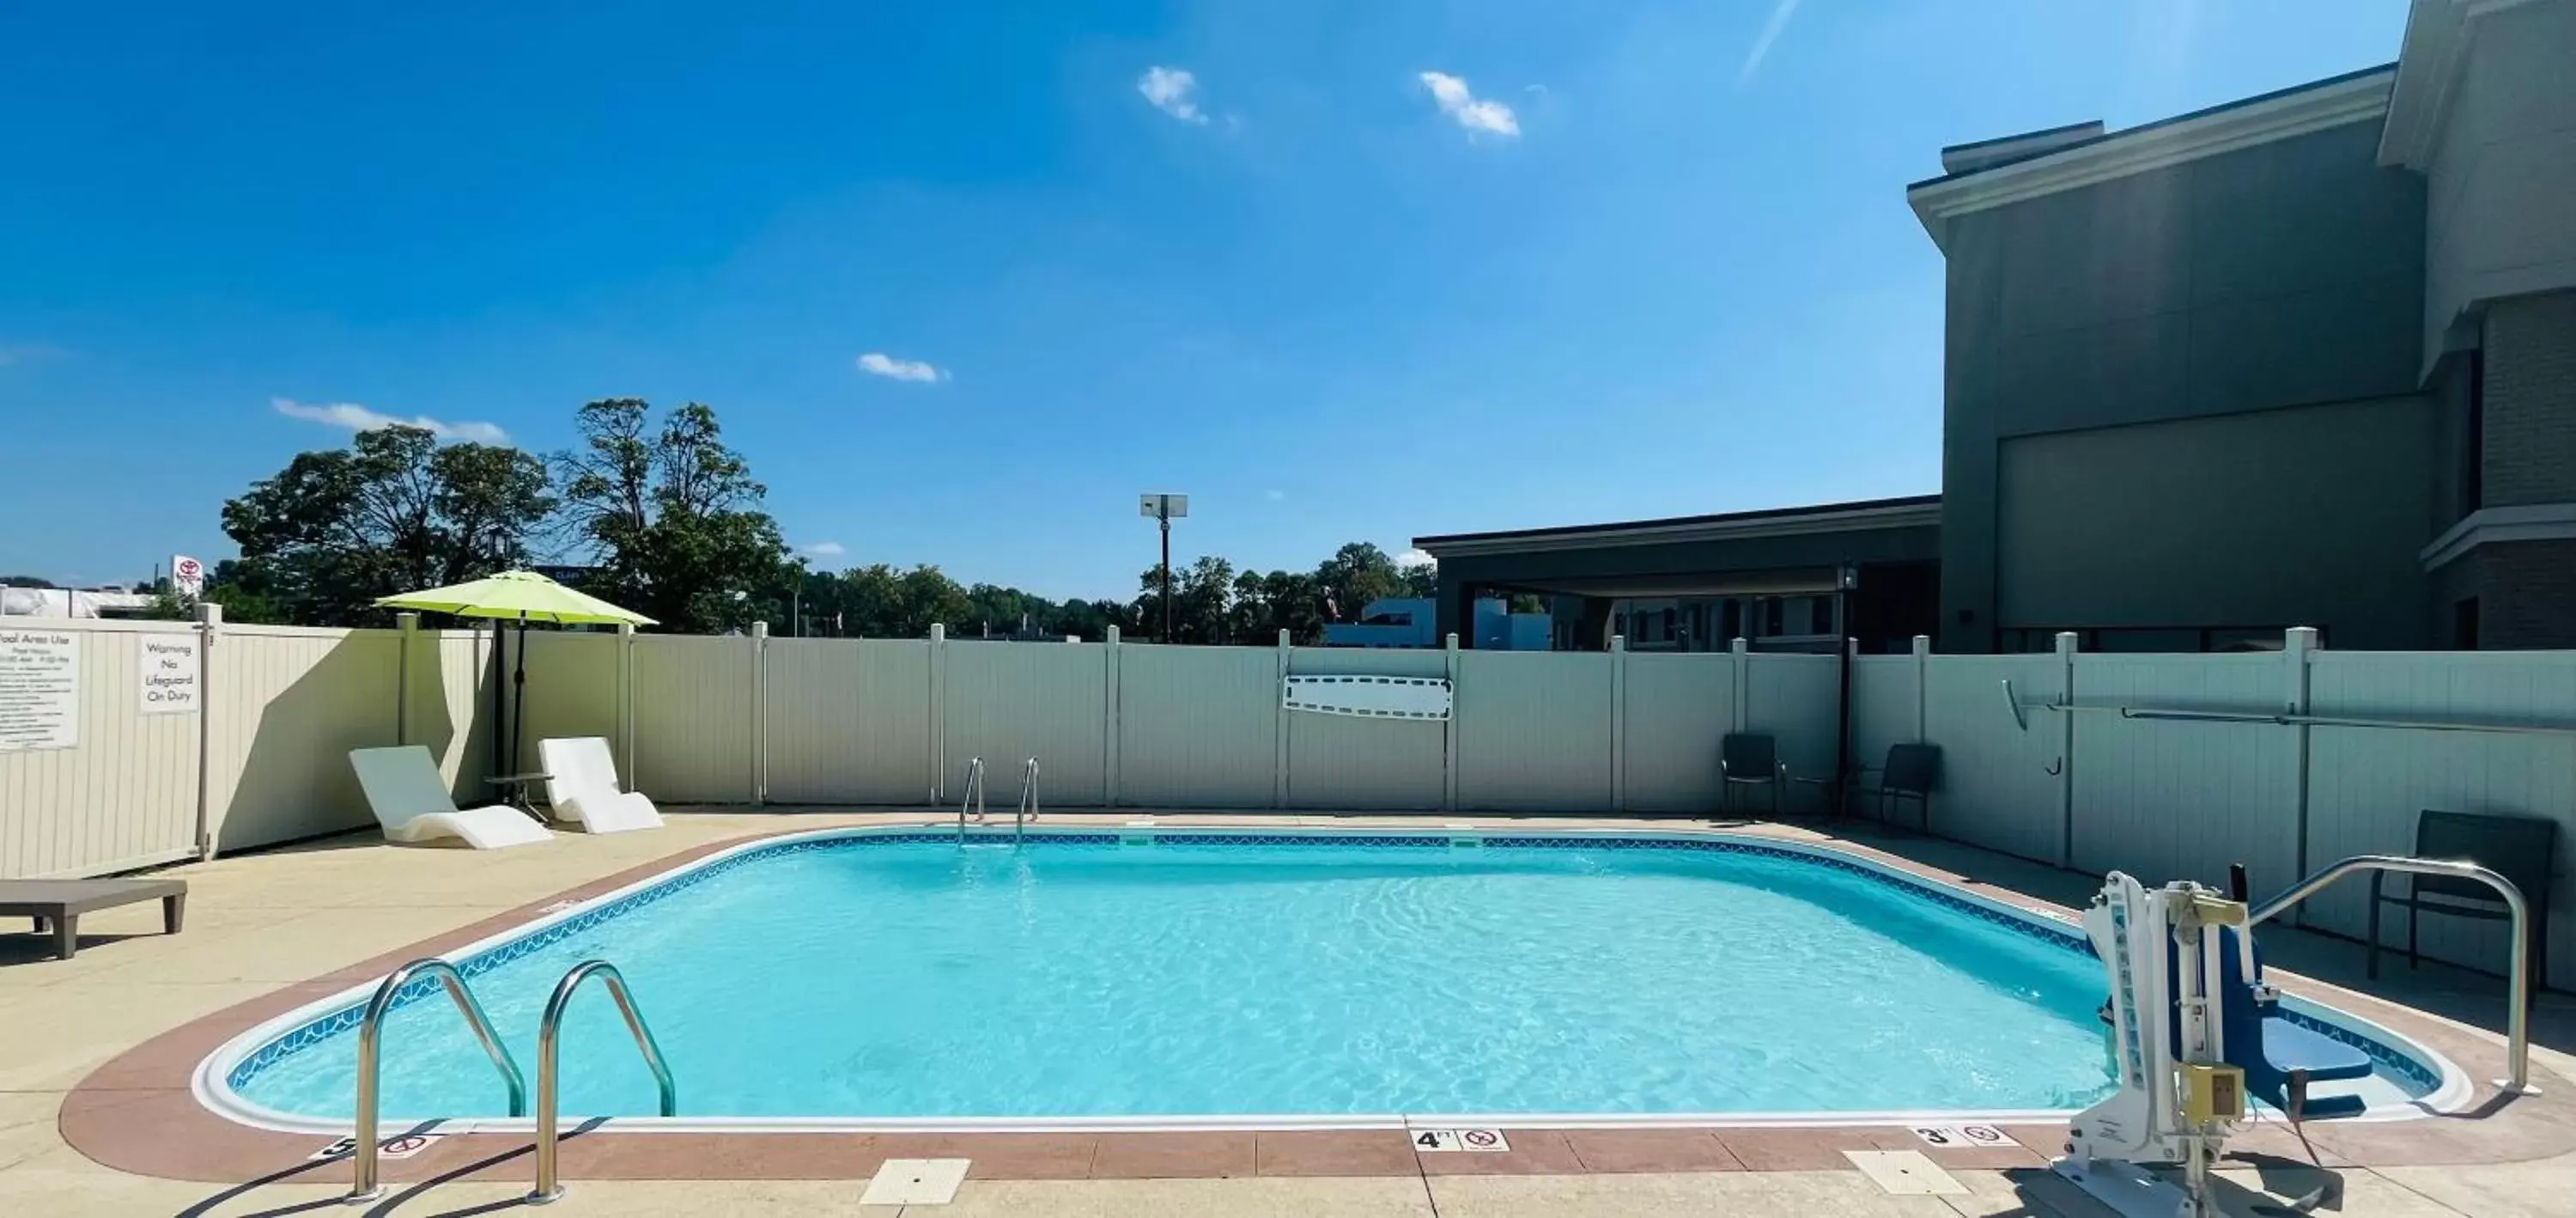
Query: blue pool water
column 1064, row 980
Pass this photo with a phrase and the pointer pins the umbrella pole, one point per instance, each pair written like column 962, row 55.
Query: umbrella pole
column 500, row 707
column 519, row 691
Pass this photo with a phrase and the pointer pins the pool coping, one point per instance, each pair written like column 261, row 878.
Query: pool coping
column 142, row 1113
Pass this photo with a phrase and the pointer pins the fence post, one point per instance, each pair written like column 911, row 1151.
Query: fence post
column 938, row 717
column 210, row 627
column 1279, row 706
column 1922, row 686
column 1449, row 726
column 1619, row 723
column 1110, row 711
column 2066, row 750
column 759, row 713
column 1742, row 710
column 407, row 632
column 626, row 706
column 2298, row 647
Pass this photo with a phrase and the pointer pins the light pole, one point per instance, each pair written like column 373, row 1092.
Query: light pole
column 1164, row 509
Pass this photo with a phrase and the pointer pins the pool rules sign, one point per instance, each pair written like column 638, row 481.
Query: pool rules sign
column 170, row 671
column 39, row 689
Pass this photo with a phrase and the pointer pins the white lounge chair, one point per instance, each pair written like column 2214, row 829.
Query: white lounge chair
column 410, row 800
column 581, row 783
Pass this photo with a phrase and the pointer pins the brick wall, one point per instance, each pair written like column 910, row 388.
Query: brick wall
column 2526, row 594
column 2531, row 400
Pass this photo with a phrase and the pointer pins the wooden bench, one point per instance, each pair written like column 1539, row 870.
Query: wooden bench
column 60, row 903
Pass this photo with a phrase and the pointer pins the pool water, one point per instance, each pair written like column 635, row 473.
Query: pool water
column 918, row 979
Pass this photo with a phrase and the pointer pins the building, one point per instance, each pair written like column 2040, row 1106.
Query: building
column 1780, row 579
column 2305, row 359
column 1408, row 621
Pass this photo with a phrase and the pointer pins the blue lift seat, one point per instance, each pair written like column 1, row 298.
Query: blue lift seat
column 2279, row 1056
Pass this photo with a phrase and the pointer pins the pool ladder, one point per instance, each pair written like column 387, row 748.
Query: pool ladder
column 367, row 1185
column 973, row 797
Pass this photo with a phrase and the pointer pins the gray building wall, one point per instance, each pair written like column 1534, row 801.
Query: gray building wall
column 2286, row 274
column 2196, row 522
column 2503, row 170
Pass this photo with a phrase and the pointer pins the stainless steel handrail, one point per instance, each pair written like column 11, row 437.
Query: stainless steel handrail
column 550, row 1062
column 2281, row 720
column 1028, row 809
column 973, row 794
column 2518, row 982
column 366, row 1186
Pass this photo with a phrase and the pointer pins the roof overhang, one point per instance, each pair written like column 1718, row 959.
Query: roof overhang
column 1919, row 512
column 2429, row 64
column 2353, row 98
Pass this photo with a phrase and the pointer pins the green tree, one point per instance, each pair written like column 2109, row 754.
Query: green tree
column 672, row 518
column 1355, row 575
column 394, row 512
column 1264, row 605
column 1420, row 579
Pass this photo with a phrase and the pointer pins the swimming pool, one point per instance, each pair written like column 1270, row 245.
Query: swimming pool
column 1103, row 977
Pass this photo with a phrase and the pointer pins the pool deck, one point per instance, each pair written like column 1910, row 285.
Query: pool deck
column 95, row 1053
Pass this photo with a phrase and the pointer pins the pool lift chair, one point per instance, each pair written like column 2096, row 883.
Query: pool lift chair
column 2194, row 1031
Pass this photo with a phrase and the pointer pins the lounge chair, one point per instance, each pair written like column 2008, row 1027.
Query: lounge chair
column 411, row 802
column 581, row 784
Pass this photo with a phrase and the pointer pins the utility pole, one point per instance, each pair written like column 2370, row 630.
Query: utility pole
column 1163, row 508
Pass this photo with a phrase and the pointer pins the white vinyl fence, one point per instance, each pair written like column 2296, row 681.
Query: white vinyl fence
column 894, row 722
column 129, row 744
column 2161, row 798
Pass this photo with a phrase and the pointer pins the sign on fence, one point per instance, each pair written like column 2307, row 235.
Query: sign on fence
column 39, row 689
column 170, row 666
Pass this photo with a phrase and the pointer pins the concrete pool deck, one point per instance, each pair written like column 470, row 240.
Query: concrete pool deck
column 89, row 1048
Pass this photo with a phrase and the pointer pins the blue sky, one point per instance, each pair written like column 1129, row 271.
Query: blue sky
column 1615, row 259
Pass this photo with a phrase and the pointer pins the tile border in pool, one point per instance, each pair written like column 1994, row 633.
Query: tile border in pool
column 218, row 1077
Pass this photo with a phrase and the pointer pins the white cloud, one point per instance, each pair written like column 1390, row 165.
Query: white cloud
column 27, row 353
column 1173, row 91
column 1275, row 496
column 1416, row 558
column 1476, row 114
column 878, row 363
column 1781, row 11
column 827, row 549
column 358, row 418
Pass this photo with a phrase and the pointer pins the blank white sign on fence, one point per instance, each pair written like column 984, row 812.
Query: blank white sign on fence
column 39, row 689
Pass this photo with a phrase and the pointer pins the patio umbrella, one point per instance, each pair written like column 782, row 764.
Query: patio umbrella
column 523, row 596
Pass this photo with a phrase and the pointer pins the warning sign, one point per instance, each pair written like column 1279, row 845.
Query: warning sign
column 1981, row 1137
column 1489, row 1141
column 403, row 1147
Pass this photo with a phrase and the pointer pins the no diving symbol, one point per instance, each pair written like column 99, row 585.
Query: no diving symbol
column 391, row 1148
column 1483, row 1139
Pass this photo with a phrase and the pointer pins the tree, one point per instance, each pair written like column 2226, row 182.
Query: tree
column 1264, row 605
column 24, row 581
column 1355, row 575
column 394, row 512
column 672, row 518
column 1421, row 579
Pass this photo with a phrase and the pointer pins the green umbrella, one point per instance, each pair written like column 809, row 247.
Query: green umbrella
column 524, row 596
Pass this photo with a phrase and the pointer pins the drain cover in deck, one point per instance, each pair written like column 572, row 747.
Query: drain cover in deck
column 1905, row 1173
column 916, row 1182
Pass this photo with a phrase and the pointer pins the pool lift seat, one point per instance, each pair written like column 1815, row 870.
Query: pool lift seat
column 2194, row 1033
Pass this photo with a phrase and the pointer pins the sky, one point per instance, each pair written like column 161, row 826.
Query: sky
column 961, row 280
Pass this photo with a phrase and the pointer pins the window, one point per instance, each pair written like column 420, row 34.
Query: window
column 1774, row 616
column 1731, row 624
column 2464, row 623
